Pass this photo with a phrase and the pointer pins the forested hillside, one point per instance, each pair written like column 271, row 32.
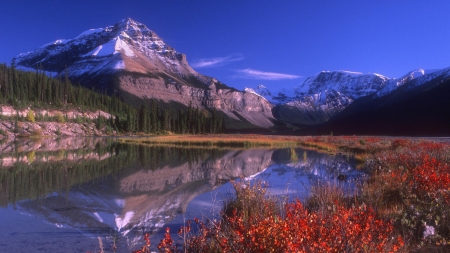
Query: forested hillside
column 37, row 91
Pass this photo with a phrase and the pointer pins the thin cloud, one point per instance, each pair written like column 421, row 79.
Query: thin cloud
column 261, row 75
column 215, row 62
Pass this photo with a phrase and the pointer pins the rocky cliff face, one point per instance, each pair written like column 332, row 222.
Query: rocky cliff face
column 130, row 60
column 236, row 105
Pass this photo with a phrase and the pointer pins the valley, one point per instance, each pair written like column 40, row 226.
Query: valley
column 114, row 135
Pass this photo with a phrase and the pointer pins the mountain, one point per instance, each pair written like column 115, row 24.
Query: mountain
column 416, row 104
column 327, row 93
column 131, row 61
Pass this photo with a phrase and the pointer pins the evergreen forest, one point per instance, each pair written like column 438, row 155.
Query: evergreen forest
column 36, row 90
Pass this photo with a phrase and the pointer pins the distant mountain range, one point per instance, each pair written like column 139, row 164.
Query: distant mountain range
column 323, row 96
column 131, row 61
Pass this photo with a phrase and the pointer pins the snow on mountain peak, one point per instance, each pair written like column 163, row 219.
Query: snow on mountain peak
column 56, row 42
column 89, row 32
column 349, row 83
column 261, row 91
column 128, row 22
column 249, row 90
column 260, row 86
column 350, row 72
column 96, row 50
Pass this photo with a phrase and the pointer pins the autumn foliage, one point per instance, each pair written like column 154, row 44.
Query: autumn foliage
column 269, row 227
column 411, row 184
column 404, row 205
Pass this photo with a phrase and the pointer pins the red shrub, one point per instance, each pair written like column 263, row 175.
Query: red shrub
column 432, row 177
column 339, row 230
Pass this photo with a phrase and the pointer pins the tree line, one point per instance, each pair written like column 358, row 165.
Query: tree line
column 36, row 89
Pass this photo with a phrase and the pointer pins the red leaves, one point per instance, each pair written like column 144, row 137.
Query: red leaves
column 166, row 244
column 342, row 230
column 432, row 179
column 400, row 143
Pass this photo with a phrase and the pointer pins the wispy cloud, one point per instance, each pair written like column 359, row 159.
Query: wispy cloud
column 261, row 75
column 219, row 61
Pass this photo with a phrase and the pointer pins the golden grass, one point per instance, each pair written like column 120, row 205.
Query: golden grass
column 219, row 140
column 320, row 146
column 325, row 144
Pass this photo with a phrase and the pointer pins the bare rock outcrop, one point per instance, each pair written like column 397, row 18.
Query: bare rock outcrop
column 237, row 105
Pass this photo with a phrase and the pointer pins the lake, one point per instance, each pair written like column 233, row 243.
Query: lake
column 75, row 194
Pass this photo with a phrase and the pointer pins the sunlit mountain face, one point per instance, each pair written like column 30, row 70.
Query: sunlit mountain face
column 131, row 61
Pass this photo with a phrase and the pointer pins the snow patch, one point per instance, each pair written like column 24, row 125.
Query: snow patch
column 59, row 225
column 160, row 224
column 119, row 65
column 251, row 177
column 88, row 32
column 120, row 202
column 121, row 45
column 98, row 216
column 56, row 42
column 111, row 47
column 106, row 49
column 94, row 52
column 250, row 90
column 418, row 73
column 120, row 223
column 353, row 73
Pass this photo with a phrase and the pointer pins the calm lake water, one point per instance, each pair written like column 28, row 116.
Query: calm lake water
column 73, row 195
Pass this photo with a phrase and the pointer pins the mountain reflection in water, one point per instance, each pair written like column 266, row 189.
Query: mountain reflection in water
column 99, row 187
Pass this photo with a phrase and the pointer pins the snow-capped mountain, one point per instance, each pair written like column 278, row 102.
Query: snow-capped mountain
column 417, row 107
column 414, row 78
column 132, row 61
column 127, row 45
column 324, row 95
column 351, row 84
column 263, row 91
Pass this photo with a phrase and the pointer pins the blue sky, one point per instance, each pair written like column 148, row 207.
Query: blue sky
column 246, row 43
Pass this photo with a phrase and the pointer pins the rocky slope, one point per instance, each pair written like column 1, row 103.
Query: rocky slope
column 323, row 96
column 130, row 60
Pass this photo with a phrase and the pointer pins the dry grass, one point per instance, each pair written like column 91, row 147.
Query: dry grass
column 358, row 146
column 219, row 140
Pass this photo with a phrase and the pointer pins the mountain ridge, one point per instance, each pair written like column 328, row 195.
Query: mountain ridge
column 131, row 61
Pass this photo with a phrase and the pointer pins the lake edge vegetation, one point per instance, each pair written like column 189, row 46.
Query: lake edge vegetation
column 404, row 206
